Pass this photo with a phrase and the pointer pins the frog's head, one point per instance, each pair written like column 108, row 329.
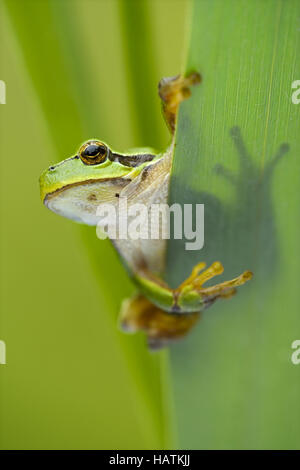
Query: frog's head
column 75, row 187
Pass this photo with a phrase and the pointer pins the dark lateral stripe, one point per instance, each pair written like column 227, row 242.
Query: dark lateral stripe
column 131, row 160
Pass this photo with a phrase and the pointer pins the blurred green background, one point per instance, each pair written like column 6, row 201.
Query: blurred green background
column 80, row 69
column 73, row 71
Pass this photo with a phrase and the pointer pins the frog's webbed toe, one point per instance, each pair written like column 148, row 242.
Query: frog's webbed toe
column 198, row 277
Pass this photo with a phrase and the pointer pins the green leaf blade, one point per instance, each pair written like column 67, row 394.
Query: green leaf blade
column 233, row 377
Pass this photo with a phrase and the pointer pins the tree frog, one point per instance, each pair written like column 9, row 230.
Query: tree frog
column 98, row 174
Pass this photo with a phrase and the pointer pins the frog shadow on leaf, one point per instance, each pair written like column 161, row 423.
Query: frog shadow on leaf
column 242, row 234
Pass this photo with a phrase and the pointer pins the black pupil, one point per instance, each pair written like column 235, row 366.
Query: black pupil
column 93, row 150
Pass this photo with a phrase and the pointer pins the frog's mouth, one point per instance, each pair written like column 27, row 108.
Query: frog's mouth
column 80, row 201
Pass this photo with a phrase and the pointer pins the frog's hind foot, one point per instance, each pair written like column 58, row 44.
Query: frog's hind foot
column 174, row 90
column 161, row 328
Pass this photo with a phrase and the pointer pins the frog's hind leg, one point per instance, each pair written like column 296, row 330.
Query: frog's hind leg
column 172, row 91
column 138, row 314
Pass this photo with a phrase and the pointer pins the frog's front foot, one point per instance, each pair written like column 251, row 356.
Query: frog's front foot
column 191, row 295
column 174, row 90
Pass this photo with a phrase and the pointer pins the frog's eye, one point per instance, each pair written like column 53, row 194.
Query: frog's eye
column 93, row 153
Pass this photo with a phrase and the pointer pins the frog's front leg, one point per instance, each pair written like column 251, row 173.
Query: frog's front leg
column 139, row 314
column 167, row 314
column 190, row 296
column 174, row 90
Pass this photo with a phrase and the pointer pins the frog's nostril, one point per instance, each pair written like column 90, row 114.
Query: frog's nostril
column 51, row 168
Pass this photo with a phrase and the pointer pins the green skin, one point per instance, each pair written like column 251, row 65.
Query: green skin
column 74, row 173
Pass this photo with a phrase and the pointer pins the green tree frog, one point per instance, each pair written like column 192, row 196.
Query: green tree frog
column 96, row 175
